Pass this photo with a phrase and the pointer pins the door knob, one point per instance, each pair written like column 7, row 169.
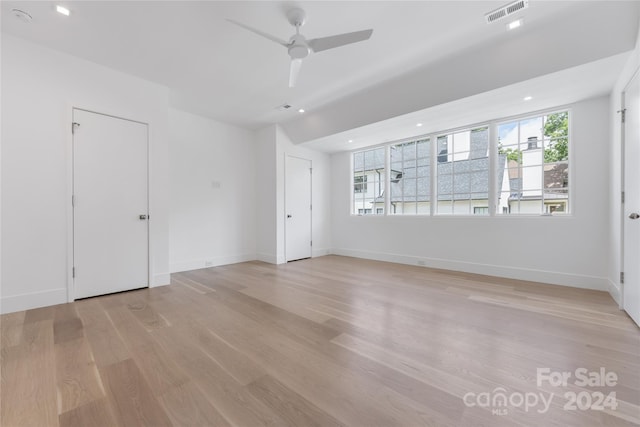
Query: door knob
column 634, row 215
column 142, row 217
column 289, row 216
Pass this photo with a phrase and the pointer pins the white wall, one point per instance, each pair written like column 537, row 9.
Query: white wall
column 615, row 229
column 39, row 88
column 266, row 209
column 561, row 250
column 273, row 146
column 213, row 192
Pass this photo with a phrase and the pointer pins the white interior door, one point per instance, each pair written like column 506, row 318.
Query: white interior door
column 298, row 208
column 631, row 219
column 110, row 214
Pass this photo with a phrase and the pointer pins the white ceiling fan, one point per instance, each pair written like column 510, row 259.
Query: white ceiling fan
column 299, row 47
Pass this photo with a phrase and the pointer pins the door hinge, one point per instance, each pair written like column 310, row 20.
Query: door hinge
column 622, row 277
column 74, row 126
column 623, row 114
column 311, row 243
column 73, row 272
column 623, row 197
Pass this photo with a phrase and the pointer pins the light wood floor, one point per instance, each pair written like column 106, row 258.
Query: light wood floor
column 325, row 342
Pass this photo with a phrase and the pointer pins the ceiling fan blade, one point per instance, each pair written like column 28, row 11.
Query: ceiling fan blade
column 260, row 33
column 324, row 43
column 293, row 71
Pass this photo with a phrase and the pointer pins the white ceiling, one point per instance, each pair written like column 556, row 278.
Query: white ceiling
column 221, row 71
column 549, row 91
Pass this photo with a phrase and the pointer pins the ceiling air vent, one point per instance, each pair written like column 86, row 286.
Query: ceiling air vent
column 506, row 10
column 283, row 107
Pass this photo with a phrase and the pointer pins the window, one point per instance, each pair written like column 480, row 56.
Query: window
column 481, row 210
column 368, row 181
column 449, row 173
column 410, row 178
column 359, row 183
column 463, row 171
column 533, row 166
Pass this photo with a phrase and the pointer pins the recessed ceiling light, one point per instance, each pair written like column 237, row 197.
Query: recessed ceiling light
column 528, row 98
column 515, row 24
column 418, row 124
column 350, row 141
column 301, row 110
column 63, row 10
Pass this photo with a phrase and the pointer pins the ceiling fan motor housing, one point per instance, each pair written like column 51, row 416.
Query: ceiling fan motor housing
column 298, row 48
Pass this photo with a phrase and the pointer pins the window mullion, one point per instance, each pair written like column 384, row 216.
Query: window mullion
column 433, row 184
column 387, row 180
column 493, row 170
column 417, row 181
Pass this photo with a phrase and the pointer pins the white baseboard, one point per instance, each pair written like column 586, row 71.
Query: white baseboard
column 268, row 258
column 271, row 259
column 33, row 300
column 210, row 262
column 160, row 279
column 320, row 252
column 615, row 292
column 281, row 259
column 518, row 273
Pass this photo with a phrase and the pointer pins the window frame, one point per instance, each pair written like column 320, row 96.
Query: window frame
column 385, row 183
column 493, row 196
column 570, row 188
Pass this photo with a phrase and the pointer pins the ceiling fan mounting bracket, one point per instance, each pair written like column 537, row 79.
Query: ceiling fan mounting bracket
column 296, row 17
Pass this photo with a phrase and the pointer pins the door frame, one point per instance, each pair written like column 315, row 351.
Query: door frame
column 286, row 156
column 71, row 290
column 623, row 137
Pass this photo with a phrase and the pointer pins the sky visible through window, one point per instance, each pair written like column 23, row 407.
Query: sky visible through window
column 508, row 132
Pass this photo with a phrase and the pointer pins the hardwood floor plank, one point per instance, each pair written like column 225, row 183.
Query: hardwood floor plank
column 291, row 406
column 28, row 386
column 186, row 405
column 11, row 328
column 220, row 276
column 131, row 397
column 64, row 312
column 193, row 285
column 77, row 377
column 96, row 413
column 300, row 306
column 146, row 315
column 106, row 345
column 231, row 359
column 39, row 314
column 267, row 314
column 233, row 401
column 158, row 369
column 67, row 330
